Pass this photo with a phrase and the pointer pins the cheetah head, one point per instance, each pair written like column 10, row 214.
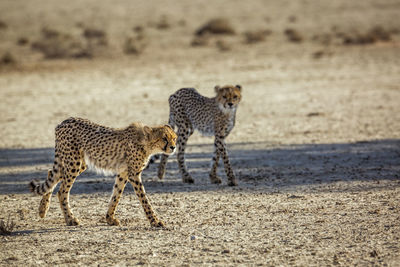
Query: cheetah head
column 163, row 139
column 228, row 96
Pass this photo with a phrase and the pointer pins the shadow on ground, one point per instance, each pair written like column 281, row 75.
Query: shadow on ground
column 258, row 166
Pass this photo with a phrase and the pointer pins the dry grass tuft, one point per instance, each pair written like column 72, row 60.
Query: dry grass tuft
column 54, row 44
column 374, row 35
column 223, row 45
column 323, row 38
column 48, row 33
column 3, row 25
column 134, row 45
column 380, row 34
column 22, row 41
column 163, row 23
column 23, row 213
column 7, row 59
column 216, row 26
column 57, row 45
column 252, row 37
column 293, row 36
column 292, row 19
column 6, row 228
column 92, row 33
column 95, row 37
column 138, row 29
column 316, row 55
column 200, row 41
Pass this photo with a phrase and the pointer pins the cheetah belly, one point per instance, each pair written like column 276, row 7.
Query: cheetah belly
column 205, row 128
column 108, row 160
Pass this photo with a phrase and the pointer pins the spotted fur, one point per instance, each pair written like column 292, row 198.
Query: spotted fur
column 211, row 116
column 80, row 143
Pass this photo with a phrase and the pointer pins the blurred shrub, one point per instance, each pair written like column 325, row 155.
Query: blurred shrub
column 134, row 45
column 163, row 23
column 3, row 25
column 293, row 36
column 375, row 34
column 54, row 44
column 22, row 41
column 200, row 41
column 252, row 37
column 216, row 26
column 7, row 59
column 223, row 46
column 95, row 37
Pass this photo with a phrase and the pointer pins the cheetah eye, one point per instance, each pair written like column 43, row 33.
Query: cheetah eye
column 165, row 140
column 235, row 97
column 224, row 97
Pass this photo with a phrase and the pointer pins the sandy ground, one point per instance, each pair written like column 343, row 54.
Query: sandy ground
column 316, row 146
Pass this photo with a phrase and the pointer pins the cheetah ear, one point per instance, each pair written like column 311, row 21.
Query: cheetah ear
column 216, row 88
column 148, row 131
column 169, row 126
column 239, row 87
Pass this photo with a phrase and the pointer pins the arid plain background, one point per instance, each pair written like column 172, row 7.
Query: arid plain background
column 316, row 146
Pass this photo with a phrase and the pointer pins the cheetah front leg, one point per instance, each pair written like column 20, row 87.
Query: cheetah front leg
column 136, row 181
column 164, row 157
column 119, row 185
column 221, row 149
column 214, row 165
column 162, row 166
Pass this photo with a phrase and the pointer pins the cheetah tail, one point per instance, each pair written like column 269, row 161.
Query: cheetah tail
column 42, row 188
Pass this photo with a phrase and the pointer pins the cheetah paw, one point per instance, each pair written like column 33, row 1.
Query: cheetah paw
column 232, row 182
column 43, row 211
column 215, row 179
column 72, row 222
column 113, row 221
column 157, row 223
column 188, row 179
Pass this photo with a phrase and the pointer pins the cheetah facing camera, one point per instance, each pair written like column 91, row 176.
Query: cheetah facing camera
column 211, row 116
column 125, row 151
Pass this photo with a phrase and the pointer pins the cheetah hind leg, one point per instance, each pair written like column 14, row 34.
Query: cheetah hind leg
column 69, row 176
column 45, row 201
column 63, row 197
column 44, row 205
column 183, row 136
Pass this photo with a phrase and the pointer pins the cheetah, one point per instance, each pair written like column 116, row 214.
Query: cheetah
column 210, row 116
column 81, row 143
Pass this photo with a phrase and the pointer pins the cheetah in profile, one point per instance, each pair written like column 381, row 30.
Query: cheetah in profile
column 211, row 116
column 80, row 142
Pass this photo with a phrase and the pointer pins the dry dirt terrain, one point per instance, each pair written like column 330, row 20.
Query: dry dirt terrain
column 316, row 146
